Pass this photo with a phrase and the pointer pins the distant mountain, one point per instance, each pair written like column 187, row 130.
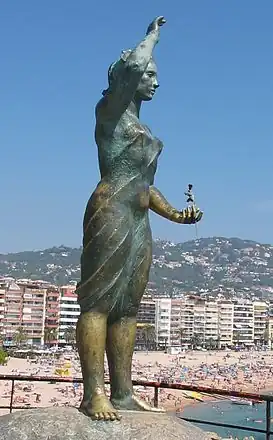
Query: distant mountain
column 205, row 266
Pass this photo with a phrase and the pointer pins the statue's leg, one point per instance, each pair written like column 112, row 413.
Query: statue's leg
column 91, row 340
column 121, row 332
column 120, row 349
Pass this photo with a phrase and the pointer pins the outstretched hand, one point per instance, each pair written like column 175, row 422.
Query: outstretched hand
column 190, row 215
column 156, row 24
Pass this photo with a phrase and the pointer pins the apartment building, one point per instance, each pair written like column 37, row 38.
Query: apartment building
column 52, row 315
column 168, row 322
column 12, row 311
column 146, row 312
column 211, row 330
column 200, row 321
column 2, row 308
column 40, row 313
column 193, row 321
column 187, row 318
column 163, row 322
column 222, row 323
column 24, row 309
column 145, row 317
column 33, row 313
column 38, row 309
column 269, row 329
column 260, row 313
column 225, row 323
column 175, row 324
column 243, row 323
column 69, row 311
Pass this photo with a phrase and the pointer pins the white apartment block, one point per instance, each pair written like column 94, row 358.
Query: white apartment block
column 225, row 322
column 221, row 323
column 199, row 321
column 168, row 322
column 211, row 331
column 260, row 310
column 269, row 329
column 163, row 321
column 2, row 310
column 175, row 325
column 243, row 323
column 69, row 310
column 187, row 318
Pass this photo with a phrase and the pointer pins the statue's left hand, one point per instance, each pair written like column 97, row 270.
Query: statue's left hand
column 156, row 24
column 190, row 215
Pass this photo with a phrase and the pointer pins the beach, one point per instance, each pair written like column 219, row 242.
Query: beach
column 234, row 371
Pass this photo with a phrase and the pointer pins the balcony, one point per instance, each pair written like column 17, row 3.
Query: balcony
column 55, row 325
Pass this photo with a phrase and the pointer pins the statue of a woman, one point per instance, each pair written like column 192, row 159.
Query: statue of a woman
column 117, row 241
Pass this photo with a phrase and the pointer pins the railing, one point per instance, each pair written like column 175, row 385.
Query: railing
column 157, row 385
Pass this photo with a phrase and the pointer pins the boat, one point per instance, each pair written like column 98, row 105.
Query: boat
column 240, row 401
column 193, row 395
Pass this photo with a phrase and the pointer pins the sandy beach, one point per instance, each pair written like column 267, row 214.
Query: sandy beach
column 249, row 372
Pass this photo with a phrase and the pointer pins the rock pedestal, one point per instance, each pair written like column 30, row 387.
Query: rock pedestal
column 69, row 424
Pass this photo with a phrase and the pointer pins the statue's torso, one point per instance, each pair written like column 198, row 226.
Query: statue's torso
column 127, row 149
column 128, row 155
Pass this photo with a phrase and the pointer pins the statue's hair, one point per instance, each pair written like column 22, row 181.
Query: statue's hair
column 114, row 68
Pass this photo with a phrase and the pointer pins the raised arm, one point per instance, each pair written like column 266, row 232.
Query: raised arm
column 161, row 206
column 128, row 71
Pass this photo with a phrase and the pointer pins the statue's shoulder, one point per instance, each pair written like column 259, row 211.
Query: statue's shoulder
column 103, row 112
column 101, row 107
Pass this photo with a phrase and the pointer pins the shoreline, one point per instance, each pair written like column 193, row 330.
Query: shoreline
column 188, row 402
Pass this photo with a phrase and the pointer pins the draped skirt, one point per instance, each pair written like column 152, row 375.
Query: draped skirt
column 117, row 252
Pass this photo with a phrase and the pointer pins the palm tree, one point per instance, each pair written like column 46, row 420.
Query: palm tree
column 2, row 339
column 70, row 335
column 3, row 357
column 236, row 337
column 264, row 338
column 181, row 332
column 148, row 334
column 195, row 341
column 50, row 335
column 20, row 336
column 211, row 343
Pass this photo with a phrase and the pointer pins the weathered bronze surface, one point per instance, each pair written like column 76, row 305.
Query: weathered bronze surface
column 117, row 241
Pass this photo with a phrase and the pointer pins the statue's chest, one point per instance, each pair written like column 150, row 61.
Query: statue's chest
column 142, row 146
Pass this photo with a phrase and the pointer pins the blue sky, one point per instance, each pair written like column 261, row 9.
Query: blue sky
column 213, row 111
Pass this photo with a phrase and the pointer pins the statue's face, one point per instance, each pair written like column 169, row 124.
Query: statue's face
column 148, row 83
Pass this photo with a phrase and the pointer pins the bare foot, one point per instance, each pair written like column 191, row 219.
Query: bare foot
column 134, row 403
column 99, row 408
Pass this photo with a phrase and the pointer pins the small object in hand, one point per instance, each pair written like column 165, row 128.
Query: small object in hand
column 189, row 194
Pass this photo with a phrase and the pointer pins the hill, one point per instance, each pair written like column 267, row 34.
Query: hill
column 207, row 265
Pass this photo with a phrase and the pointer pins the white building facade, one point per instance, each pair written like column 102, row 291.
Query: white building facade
column 69, row 311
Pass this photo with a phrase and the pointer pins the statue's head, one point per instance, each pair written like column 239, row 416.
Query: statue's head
column 148, row 83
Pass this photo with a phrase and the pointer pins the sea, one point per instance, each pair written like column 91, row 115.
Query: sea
column 226, row 412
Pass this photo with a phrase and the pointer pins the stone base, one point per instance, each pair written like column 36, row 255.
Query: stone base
column 69, row 424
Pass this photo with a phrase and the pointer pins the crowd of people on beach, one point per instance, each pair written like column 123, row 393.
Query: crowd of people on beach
column 231, row 371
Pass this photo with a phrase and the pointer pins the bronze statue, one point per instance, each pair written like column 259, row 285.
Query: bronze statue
column 117, row 241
